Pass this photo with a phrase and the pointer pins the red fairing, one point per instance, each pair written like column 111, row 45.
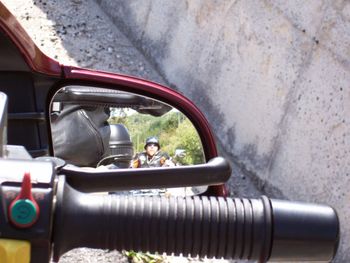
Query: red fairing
column 33, row 56
column 38, row 62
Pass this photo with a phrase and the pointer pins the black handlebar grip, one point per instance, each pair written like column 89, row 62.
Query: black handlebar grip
column 205, row 226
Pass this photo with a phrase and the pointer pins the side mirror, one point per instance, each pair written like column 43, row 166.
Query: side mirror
column 117, row 140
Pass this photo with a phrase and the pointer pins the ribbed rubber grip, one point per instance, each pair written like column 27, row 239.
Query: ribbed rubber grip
column 204, row 226
column 212, row 227
column 255, row 229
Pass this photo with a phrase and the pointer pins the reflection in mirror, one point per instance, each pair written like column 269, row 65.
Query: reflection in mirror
column 100, row 128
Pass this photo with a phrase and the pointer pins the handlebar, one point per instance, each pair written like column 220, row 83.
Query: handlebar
column 255, row 229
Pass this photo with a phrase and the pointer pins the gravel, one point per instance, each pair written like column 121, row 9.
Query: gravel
column 79, row 33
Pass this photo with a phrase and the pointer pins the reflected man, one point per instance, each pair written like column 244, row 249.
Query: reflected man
column 152, row 156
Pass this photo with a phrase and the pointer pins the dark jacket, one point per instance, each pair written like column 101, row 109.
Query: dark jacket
column 159, row 159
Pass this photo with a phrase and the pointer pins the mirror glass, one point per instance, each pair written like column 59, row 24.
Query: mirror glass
column 98, row 128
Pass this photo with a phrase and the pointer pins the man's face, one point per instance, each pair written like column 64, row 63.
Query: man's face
column 151, row 149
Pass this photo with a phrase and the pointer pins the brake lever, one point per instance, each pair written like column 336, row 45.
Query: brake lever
column 216, row 171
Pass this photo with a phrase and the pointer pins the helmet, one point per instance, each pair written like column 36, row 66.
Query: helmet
column 152, row 139
column 121, row 147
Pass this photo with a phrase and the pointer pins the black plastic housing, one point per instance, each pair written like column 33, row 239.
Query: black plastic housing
column 11, row 174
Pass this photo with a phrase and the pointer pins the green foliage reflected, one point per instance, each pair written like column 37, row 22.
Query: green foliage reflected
column 139, row 257
column 173, row 129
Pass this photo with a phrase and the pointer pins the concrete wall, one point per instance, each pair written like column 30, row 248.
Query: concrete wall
column 273, row 78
